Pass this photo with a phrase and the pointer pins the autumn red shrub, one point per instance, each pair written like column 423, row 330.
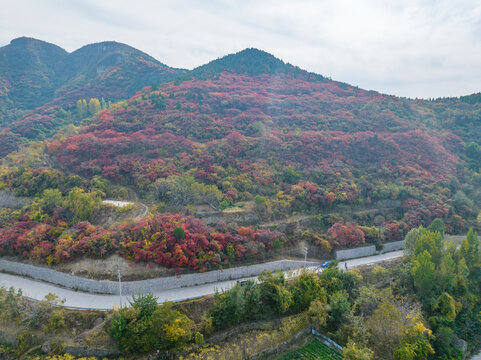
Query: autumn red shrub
column 395, row 230
column 346, row 234
column 151, row 239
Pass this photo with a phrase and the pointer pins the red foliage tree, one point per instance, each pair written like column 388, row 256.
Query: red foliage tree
column 346, row 234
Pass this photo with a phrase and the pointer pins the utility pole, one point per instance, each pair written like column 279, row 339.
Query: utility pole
column 305, row 256
column 120, row 287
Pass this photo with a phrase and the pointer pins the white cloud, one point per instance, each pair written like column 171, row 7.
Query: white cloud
column 409, row 48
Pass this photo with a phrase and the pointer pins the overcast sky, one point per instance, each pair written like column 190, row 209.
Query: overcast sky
column 407, row 48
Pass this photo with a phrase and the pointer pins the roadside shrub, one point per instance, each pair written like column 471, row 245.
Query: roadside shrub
column 145, row 326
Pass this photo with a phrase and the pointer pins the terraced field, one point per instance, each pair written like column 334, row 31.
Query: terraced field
column 315, row 350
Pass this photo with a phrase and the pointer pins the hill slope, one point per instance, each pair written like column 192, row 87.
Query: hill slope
column 30, row 72
column 34, row 72
column 252, row 125
column 250, row 128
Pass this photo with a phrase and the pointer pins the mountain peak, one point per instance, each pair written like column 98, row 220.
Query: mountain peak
column 249, row 61
column 254, row 53
column 107, row 46
column 25, row 41
column 94, row 51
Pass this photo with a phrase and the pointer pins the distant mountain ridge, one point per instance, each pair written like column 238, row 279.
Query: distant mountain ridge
column 250, row 92
column 34, row 72
column 30, row 72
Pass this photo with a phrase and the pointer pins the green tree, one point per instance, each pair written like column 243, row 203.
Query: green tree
column 179, row 233
column 306, row 288
column 44, row 205
column 79, row 108
column 386, row 330
column 432, row 243
column 172, row 328
column 437, row 225
column 240, row 303
column 145, row 304
column 290, row 175
column 443, row 344
column 51, row 199
column 340, row 308
column 318, row 313
column 83, row 205
column 262, row 207
column 275, row 297
column 471, row 250
column 447, row 273
column 82, row 108
column 94, row 106
column 99, row 184
column 447, row 306
column 424, row 274
column 369, row 299
column 145, row 326
column 410, row 240
column 184, row 190
column 415, row 344
column 353, row 351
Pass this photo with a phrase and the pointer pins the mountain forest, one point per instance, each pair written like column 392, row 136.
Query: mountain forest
column 243, row 160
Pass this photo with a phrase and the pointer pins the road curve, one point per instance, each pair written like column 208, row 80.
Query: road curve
column 74, row 299
column 144, row 211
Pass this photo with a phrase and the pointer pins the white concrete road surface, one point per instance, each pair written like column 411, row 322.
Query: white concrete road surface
column 476, row 357
column 74, row 299
column 353, row 263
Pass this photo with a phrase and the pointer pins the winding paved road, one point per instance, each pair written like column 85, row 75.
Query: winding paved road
column 353, row 263
column 37, row 289
column 75, row 299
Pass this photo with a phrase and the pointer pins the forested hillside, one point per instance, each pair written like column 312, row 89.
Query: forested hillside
column 34, row 73
column 254, row 126
column 246, row 132
column 238, row 161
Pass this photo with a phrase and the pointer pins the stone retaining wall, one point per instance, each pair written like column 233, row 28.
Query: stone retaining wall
column 84, row 351
column 355, row 253
column 393, row 246
column 149, row 285
column 367, row 251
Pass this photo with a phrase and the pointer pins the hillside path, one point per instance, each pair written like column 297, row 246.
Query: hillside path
column 301, row 217
column 143, row 213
